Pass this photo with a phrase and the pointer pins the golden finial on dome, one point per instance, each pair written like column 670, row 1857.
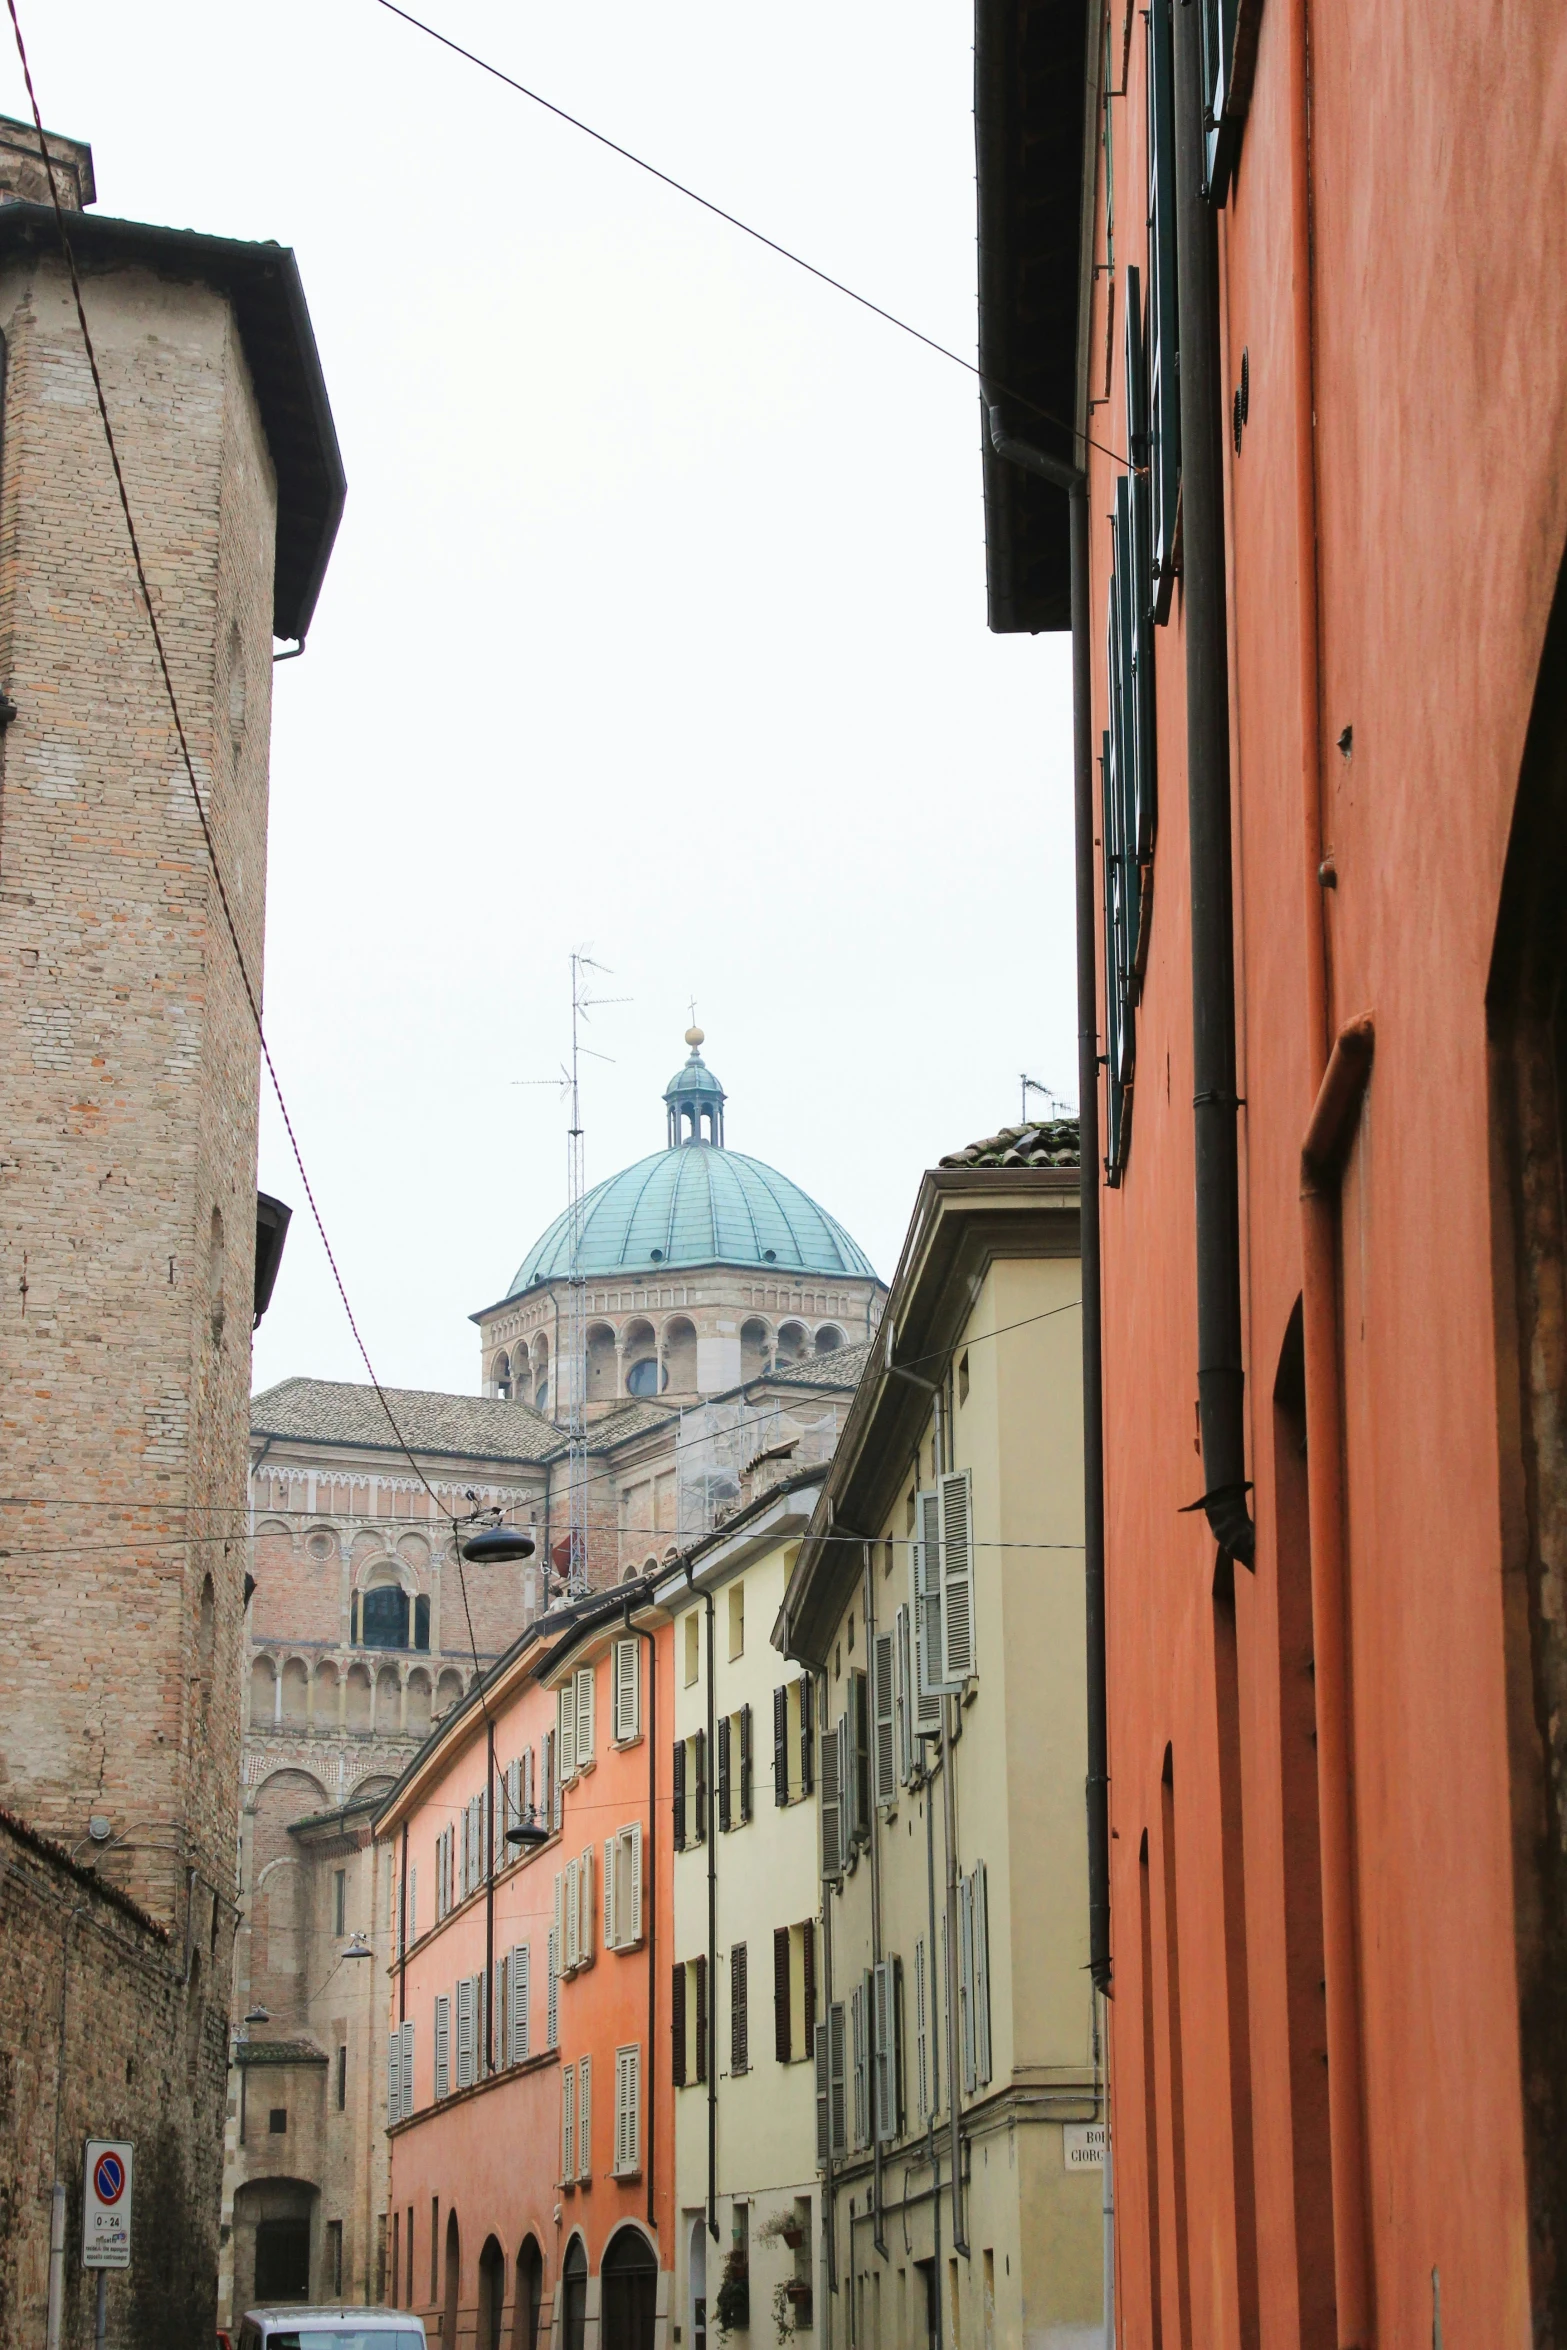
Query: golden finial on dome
column 694, row 1035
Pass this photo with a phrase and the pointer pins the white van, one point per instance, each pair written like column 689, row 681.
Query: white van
column 289, row 2327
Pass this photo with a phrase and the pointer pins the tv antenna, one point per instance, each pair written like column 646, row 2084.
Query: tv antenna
column 1057, row 1107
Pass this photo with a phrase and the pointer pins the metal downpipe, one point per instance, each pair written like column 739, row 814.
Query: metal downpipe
column 1220, row 1375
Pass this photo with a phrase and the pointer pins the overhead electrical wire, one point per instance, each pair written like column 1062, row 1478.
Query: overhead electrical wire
column 784, row 252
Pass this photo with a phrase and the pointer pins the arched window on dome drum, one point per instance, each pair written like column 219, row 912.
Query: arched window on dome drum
column 828, row 1338
column 642, row 1378
column 754, row 1349
column 500, row 1377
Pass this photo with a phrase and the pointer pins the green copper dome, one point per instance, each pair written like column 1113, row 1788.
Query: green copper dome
column 696, row 1203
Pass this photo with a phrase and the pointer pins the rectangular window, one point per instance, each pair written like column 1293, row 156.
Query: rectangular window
column 677, row 2024
column 887, row 2048
column 736, row 1620
column 552, row 1991
column 832, row 1804
column 628, row 2112
column 885, row 1744
column 412, row 1928
column 585, row 2120
column 857, row 1805
column 925, row 1604
column 781, row 1745
column 693, row 1629
column 334, row 2257
column 394, row 2082
column 959, row 1650
column 924, row 2078
column 623, row 1888
column 739, row 2021
column 698, row 1774
column 585, row 1678
column 859, row 2028
column 725, row 1742
column 467, row 2032
column 783, row 1995
column 568, row 2124
column 339, row 1907
column 585, row 1908
column 678, row 1793
column 903, row 1704
column 342, row 2076
column 566, row 1731
column 699, row 1980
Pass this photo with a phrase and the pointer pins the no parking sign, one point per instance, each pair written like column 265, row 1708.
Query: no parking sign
column 106, row 2207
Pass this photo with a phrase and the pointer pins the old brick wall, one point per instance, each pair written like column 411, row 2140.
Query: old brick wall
column 144, row 2056
column 128, row 1065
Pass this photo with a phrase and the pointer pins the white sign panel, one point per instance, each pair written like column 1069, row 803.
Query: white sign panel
column 106, row 2204
column 1083, row 2145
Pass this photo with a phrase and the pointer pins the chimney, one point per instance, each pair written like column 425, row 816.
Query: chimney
column 23, row 179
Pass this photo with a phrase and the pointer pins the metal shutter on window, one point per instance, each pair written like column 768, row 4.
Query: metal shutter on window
column 783, row 2043
column 959, row 1657
column 884, row 1746
column 781, row 1746
column 517, row 1988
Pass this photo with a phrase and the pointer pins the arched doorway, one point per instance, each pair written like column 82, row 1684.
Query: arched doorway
column 272, row 2231
column 628, row 2290
column 492, row 2295
column 574, row 2295
column 529, row 2296
column 451, row 2280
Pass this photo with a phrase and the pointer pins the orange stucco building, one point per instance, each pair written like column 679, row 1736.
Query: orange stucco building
column 1275, row 422
column 531, row 2172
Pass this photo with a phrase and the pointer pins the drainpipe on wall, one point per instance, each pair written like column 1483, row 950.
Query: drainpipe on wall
column 875, row 1857
column 1221, row 1398
column 402, row 1933
column 489, row 1895
column 1075, row 483
column 710, row 1829
column 829, row 2189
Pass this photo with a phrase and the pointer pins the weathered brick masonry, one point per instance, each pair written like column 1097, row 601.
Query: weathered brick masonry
column 128, row 1113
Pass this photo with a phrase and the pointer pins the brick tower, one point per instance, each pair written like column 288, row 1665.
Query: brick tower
column 128, row 1112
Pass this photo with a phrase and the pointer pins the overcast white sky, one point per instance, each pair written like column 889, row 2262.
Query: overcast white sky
column 656, row 620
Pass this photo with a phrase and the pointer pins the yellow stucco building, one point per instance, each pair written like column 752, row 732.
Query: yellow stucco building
column 937, row 1604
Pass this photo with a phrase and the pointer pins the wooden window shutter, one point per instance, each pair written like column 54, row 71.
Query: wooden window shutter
column 723, row 1775
column 566, row 1731
column 586, row 1678
column 832, row 1807
column 611, row 1938
column 885, row 1747
column 783, row 2043
column 807, row 1738
column 411, row 1925
column 394, row 2081
column 631, row 1919
column 925, row 1555
column 677, row 2025
column 808, row 1953
column 406, row 2086
column 980, row 1906
column 443, row 2045
column 679, row 1802
column 570, row 1917
column 922, row 2082
column 859, row 1728
column 837, row 2083
column 1226, row 86
column 858, row 2025
column 745, row 1763
column 966, row 1981
column 586, row 1908
column 823, row 2099
column 1164, row 396
column 887, row 2028
column 585, row 2117
column 699, row 1757
column 739, row 2018
column 552, row 1989
column 960, row 1659
column 568, row 2123
column 517, row 1987
column 700, row 1971
column 466, row 2027
column 628, row 1688
column 781, row 1745
column 905, row 1708
column 1138, row 611
column 513, row 1796
column 628, row 2110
